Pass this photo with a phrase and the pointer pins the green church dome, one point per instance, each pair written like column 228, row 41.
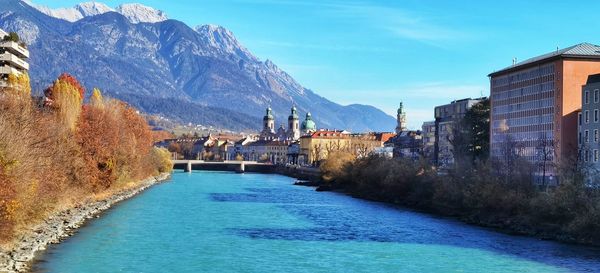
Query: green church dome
column 308, row 124
column 294, row 114
column 269, row 115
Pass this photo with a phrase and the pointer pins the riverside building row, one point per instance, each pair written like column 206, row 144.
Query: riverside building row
column 298, row 144
column 538, row 101
column 545, row 109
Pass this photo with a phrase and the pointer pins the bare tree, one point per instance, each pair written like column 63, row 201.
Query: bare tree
column 545, row 155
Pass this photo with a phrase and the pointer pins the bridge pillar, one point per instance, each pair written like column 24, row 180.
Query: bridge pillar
column 241, row 168
column 188, row 167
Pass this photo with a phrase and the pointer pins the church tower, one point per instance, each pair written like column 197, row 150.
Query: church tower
column 269, row 122
column 401, row 117
column 293, row 125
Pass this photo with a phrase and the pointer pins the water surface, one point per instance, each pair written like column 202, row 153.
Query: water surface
column 227, row 222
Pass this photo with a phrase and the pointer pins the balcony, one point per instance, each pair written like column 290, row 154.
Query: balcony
column 5, row 70
column 13, row 61
column 15, row 48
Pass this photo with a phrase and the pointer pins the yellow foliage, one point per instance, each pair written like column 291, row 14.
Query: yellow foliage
column 335, row 164
column 12, row 207
column 162, row 159
column 68, row 101
column 97, row 100
column 20, row 83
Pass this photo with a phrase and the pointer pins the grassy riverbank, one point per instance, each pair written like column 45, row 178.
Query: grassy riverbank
column 56, row 152
column 483, row 195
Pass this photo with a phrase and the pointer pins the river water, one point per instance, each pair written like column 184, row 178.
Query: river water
column 227, row 222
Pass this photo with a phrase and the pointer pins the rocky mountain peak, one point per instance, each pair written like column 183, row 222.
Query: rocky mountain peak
column 138, row 13
column 135, row 13
column 92, row 8
column 223, row 39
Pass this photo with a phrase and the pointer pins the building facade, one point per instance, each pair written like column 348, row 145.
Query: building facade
column 319, row 145
column 428, row 135
column 408, row 144
column 538, row 99
column 446, row 118
column 294, row 129
column 401, row 119
column 13, row 57
column 589, row 128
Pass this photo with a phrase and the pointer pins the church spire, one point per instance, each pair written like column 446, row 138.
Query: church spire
column 401, row 119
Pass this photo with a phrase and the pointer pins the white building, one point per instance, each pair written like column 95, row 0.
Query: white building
column 13, row 56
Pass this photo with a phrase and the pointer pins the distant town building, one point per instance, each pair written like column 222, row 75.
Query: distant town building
column 268, row 131
column 408, row 144
column 589, row 128
column 401, row 120
column 294, row 154
column 539, row 99
column 446, row 118
column 13, row 57
column 428, row 135
column 308, row 125
column 319, row 145
column 293, row 131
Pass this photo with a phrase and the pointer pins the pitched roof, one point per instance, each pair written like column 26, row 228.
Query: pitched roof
column 583, row 50
column 593, row 79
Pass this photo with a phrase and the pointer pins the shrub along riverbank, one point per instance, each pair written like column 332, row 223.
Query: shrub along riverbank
column 487, row 194
column 57, row 152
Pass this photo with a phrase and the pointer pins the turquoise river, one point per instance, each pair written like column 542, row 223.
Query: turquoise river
column 227, row 222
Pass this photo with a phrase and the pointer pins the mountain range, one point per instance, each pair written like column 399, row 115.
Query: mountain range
column 162, row 66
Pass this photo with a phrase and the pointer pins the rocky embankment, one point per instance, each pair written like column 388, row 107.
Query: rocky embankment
column 61, row 225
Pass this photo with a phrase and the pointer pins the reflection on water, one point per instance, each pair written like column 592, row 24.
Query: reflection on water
column 225, row 222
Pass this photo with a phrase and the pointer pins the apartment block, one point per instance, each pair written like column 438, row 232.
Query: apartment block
column 446, row 116
column 537, row 100
column 589, row 127
column 428, row 133
column 13, row 57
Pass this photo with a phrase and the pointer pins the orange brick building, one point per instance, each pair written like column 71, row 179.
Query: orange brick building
column 539, row 98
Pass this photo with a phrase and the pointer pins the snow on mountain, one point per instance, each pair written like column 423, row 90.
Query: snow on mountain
column 137, row 13
column 69, row 14
column 223, row 39
column 202, row 75
column 92, row 8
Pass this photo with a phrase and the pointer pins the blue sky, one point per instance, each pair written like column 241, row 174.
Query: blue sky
column 375, row 52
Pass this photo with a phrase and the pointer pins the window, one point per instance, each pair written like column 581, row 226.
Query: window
column 587, row 116
column 596, row 95
column 596, row 155
column 587, row 155
column 579, row 118
column 586, row 97
column 596, row 135
column 586, row 136
column 596, row 118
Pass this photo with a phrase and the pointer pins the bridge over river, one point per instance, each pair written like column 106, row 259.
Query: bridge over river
column 228, row 165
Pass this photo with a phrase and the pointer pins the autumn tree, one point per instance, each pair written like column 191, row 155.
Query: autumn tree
column 335, row 164
column 96, row 100
column 65, row 78
column 20, row 83
column 66, row 96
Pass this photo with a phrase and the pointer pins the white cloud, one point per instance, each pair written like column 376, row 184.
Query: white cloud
column 399, row 22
